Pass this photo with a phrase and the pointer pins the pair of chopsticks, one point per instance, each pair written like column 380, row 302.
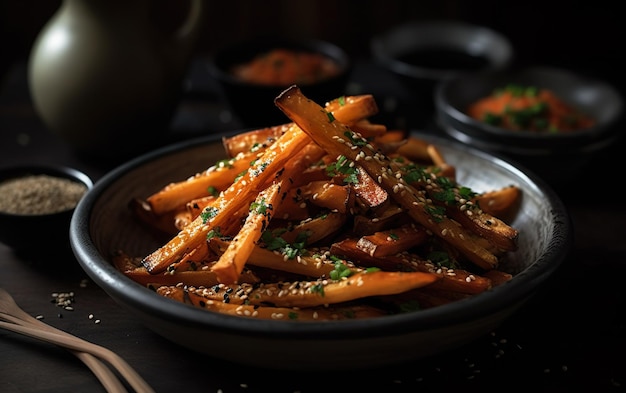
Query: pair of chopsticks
column 97, row 358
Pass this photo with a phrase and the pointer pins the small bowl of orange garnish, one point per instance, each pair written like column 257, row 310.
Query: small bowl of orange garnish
column 252, row 73
column 552, row 121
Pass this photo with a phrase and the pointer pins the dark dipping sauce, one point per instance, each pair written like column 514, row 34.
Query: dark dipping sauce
column 444, row 59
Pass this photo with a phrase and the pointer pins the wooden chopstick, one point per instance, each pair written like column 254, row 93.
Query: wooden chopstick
column 78, row 344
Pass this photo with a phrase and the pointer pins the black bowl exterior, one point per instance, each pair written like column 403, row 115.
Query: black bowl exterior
column 392, row 48
column 556, row 156
column 593, row 97
column 388, row 48
column 253, row 104
column 47, row 233
column 102, row 224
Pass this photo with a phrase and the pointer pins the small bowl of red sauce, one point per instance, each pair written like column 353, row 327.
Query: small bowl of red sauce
column 552, row 121
column 252, row 73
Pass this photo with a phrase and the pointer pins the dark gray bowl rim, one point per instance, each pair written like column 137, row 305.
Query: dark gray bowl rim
column 62, row 171
column 133, row 295
column 223, row 58
column 494, row 135
column 499, row 52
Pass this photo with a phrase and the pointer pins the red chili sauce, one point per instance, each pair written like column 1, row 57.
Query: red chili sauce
column 284, row 67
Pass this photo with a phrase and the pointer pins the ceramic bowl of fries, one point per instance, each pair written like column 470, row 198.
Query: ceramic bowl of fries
column 252, row 73
column 551, row 120
column 326, row 243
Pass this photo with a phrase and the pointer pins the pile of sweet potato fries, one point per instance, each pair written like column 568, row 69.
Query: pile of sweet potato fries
column 329, row 217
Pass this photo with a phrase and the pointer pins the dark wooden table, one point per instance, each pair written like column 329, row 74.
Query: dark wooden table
column 570, row 336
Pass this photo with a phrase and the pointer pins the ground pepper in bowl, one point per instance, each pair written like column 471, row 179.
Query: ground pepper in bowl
column 39, row 194
column 529, row 108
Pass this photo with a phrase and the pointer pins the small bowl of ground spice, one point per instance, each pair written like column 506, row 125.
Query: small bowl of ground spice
column 36, row 207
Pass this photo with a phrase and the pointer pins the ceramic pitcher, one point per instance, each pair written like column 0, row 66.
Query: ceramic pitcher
column 106, row 78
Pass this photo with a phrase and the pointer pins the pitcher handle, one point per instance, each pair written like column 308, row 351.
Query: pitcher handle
column 189, row 29
column 177, row 50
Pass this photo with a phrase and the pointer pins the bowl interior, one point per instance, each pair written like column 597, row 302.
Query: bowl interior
column 591, row 96
column 103, row 224
column 435, row 50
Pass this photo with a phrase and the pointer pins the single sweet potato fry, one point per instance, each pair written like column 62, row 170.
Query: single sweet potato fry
column 502, row 203
column 454, row 280
column 316, row 228
column 218, row 177
column 252, row 141
column 233, row 260
column 195, row 297
column 321, row 292
column 392, row 241
column 198, row 274
column 315, row 263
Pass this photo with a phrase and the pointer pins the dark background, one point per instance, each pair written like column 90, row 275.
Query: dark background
column 583, row 36
column 570, row 337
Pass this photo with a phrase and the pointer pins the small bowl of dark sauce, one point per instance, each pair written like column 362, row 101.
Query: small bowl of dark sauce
column 423, row 53
column 439, row 61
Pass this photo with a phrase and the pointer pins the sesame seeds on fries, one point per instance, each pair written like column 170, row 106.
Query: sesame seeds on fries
column 333, row 217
